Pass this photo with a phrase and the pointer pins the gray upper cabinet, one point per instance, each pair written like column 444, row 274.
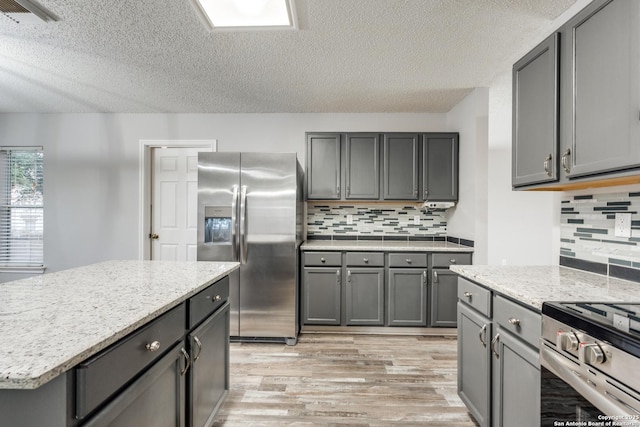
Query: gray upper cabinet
column 600, row 95
column 535, row 115
column 440, row 167
column 576, row 102
column 400, row 174
column 323, row 166
column 362, row 166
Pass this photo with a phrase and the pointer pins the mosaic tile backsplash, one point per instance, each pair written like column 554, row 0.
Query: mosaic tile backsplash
column 587, row 234
column 385, row 220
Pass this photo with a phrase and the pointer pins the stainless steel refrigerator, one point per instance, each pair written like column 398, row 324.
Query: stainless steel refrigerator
column 250, row 210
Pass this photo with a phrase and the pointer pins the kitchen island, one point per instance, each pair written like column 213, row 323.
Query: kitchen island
column 53, row 323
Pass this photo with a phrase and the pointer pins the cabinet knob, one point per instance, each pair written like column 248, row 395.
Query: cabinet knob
column 153, row 346
column 322, row 260
column 452, row 260
column 408, row 260
column 468, row 294
column 514, row 321
column 365, row 260
column 216, row 298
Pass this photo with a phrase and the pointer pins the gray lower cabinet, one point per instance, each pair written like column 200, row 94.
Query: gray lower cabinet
column 209, row 371
column 323, row 175
column 443, row 296
column 407, row 301
column 516, row 382
column 498, row 362
column 400, row 171
column 474, row 362
column 364, row 296
column 321, row 295
column 440, row 167
column 157, row 398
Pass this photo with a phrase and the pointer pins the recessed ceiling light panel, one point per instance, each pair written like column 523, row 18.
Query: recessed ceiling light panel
column 247, row 14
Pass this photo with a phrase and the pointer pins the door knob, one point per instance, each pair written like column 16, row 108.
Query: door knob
column 154, row 236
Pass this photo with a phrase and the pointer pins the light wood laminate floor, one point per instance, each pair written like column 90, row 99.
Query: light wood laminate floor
column 354, row 380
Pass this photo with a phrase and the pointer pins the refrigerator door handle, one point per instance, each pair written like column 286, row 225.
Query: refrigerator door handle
column 234, row 218
column 243, row 225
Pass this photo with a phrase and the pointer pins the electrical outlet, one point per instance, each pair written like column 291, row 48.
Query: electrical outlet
column 349, row 219
column 416, row 219
column 623, row 225
column 620, row 322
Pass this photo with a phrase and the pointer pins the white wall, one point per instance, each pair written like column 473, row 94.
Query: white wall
column 524, row 226
column 469, row 218
column 91, row 165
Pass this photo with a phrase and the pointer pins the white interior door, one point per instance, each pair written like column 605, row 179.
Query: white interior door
column 174, row 198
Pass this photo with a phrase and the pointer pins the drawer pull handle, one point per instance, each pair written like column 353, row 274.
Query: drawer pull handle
column 322, row 260
column 153, row 346
column 514, row 321
column 199, row 344
column 452, row 260
column 366, row 260
column 468, row 294
column 216, row 298
column 408, row 260
column 187, row 361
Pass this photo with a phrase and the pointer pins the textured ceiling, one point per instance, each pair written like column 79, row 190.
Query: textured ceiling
column 347, row 56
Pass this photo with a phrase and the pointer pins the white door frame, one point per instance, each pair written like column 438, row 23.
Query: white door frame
column 146, row 145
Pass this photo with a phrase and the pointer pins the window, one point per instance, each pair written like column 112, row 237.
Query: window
column 21, row 208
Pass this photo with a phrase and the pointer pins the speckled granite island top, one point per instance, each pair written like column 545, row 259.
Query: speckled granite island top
column 383, row 245
column 533, row 285
column 50, row 323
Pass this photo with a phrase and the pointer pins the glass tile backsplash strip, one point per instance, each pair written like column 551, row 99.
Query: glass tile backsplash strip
column 587, row 234
column 383, row 220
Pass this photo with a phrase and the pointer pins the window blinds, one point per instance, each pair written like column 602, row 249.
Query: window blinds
column 21, row 207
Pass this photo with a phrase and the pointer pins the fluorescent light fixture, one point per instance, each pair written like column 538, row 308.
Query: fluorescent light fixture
column 247, row 14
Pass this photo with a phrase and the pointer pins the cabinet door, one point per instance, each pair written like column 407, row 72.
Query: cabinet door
column 321, row 293
column 440, row 167
column 601, row 88
column 516, row 382
column 323, row 166
column 535, row 115
column 209, row 373
column 364, row 297
column 444, row 297
column 362, row 166
column 157, row 398
column 407, row 303
column 400, row 175
column 474, row 363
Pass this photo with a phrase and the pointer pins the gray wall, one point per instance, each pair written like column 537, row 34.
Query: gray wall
column 91, row 169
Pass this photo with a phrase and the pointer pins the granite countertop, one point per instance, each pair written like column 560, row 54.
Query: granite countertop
column 533, row 285
column 50, row 323
column 383, row 245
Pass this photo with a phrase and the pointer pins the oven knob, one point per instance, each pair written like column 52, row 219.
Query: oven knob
column 567, row 341
column 590, row 353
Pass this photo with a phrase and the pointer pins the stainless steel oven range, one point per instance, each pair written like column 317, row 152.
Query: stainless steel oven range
column 590, row 364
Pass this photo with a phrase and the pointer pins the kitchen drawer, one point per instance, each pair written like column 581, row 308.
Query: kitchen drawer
column 447, row 259
column 103, row 374
column 322, row 259
column 408, row 260
column 206, row 302
column 521, row 321
column 365, row 259
column 475, row 296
